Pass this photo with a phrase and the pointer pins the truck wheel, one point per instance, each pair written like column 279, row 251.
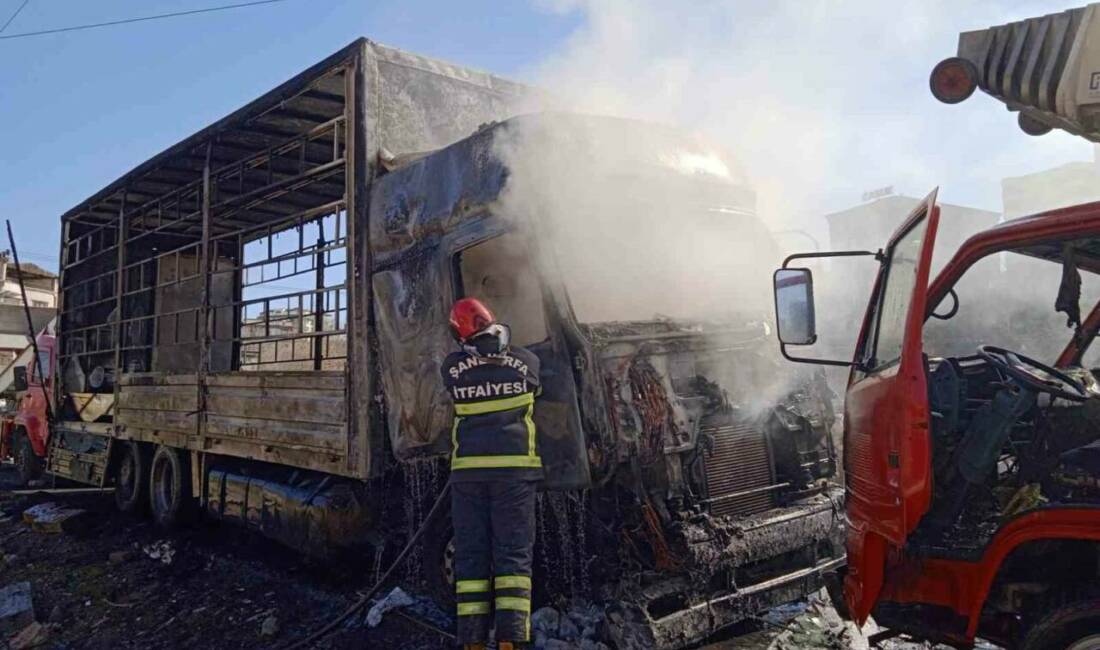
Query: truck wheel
column 169, row 487
column 27, row 463
column 439, row 560
column 1071, row 626
column 132, row 478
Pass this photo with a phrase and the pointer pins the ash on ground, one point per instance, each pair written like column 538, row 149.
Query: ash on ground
column 107, row 580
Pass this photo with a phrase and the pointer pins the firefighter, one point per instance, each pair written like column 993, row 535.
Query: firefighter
column 495, row 468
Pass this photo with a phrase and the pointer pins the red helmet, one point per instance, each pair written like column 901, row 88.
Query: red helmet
column 469, row 317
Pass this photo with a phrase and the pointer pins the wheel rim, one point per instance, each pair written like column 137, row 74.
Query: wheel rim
column 449, row 562
column 1091, row 642
column 126, row 473
column 162, row 486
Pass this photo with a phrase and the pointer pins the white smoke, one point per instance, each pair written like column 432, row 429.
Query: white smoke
column 819, row 100
column 816, row 101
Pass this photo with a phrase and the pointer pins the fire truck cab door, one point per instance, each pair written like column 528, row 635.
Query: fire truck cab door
column 886, row 424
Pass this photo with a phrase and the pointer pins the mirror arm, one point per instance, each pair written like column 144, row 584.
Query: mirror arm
column 820, row 362
column 878, row 255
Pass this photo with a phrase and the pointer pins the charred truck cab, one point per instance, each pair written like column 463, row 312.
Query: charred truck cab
column 706, row 481
column 263, row 309
column 971, row 469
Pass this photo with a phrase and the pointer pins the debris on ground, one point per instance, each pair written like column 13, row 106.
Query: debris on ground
column 221, row 586
column 161, row 551
column 16, row 607
column 815, row 624
column 393, row 600
column 32, row 636
column 270, row 627
column 579, row 627
column 54, row 518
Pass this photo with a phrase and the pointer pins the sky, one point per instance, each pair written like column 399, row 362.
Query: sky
column 819, row 100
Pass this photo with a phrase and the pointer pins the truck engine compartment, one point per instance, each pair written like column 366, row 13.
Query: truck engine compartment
column 713, row 492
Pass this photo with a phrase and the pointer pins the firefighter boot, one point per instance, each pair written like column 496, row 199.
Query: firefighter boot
column 505, row 645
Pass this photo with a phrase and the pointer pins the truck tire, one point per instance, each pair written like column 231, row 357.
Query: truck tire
column 27, row 463
column 1072, row 625
column 132, row 478
column 170, row 487
column 439, row 560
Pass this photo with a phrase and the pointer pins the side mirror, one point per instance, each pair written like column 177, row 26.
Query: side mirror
column 19, row 378
column 794, row 306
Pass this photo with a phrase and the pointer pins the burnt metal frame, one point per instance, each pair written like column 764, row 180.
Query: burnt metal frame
column 200, row 221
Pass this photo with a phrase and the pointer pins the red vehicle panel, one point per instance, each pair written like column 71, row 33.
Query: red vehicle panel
column 960, row 561
column 886, row 413
column 31, row 414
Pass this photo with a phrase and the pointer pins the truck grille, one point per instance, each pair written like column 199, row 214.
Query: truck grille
column 739, row 474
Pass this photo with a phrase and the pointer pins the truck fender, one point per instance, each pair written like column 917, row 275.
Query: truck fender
column 1042, row 525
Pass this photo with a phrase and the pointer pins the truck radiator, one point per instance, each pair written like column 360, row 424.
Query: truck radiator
column 740, row 476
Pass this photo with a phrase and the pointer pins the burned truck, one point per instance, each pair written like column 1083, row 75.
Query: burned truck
column 259, row 313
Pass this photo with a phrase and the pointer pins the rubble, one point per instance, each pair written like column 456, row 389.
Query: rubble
column 16, row 607
column 394, row 600
column 54, row 518
column 32, row 636
column 270, row 627
column 119, row 557
column 577, row 628
column 162, row 551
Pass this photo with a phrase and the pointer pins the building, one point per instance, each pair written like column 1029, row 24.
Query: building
column 264, row 341
column 41, row 288
column 40, row 284
column 13, row 329
column 1069, row 184
column 869, row 225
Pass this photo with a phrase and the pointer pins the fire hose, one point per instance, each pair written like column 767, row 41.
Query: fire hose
column 366, row 597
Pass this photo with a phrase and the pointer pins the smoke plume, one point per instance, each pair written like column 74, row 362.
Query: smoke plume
column 805, row 104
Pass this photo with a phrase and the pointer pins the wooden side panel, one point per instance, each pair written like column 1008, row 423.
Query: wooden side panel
column 291, row 418
column 296, row 418
column 153, row 406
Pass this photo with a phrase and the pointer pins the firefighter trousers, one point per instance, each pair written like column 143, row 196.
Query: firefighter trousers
column 494, row 524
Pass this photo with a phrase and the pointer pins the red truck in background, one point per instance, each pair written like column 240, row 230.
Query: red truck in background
column 25, row 432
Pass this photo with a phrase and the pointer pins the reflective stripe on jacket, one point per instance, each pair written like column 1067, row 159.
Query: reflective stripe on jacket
column 493, row 434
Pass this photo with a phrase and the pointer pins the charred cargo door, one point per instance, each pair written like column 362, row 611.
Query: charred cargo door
column 886, row 413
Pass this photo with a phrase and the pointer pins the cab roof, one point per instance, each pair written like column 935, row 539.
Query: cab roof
column 1040, row 235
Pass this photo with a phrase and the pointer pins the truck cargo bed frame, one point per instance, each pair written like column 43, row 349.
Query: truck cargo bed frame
column 208, row 289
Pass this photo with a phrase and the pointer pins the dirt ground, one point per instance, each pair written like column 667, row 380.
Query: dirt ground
column 116, row 581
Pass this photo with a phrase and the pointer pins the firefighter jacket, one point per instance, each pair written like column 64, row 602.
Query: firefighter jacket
column 493, row 434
